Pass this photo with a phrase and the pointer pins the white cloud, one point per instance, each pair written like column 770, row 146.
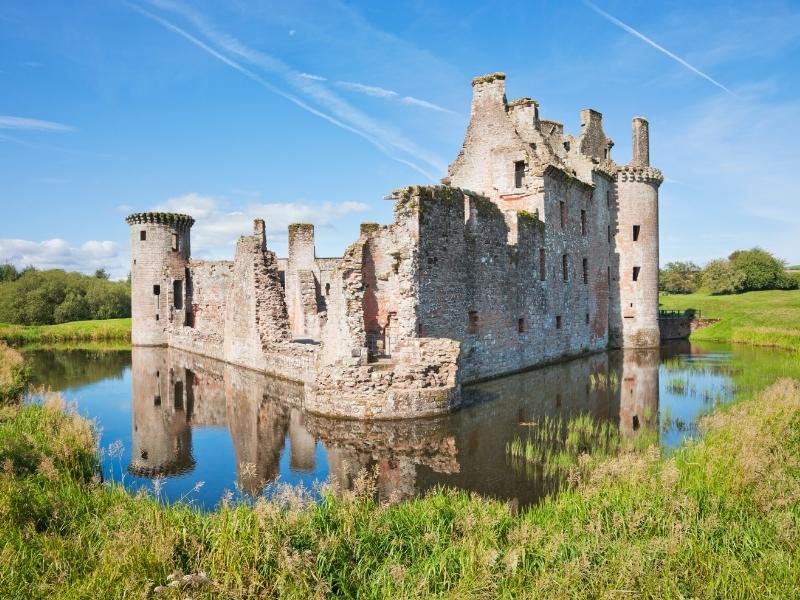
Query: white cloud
column 312, row 76
column 369, row 90
column 59, row 254
column 217, row 227
column 379, row 92
column 25, row 123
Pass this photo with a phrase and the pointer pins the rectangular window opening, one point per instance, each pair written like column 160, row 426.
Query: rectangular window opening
column 542, row 274
column 519, row 173
column 178, row 400
column 608, row 199
column 587, row 318
column 142, row 235
column 609, row 234
column 473, row 321
column 636, row 230
column 175, row 242
column 558, row 321
column 177, row 294
column 521, row 328
column 565, row 266
column 585, row 270
column 583, row 222
column 636, row 273
column 156, row 290
column 563, row 208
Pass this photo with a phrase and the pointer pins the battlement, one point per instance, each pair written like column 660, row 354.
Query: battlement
column 628, row 173
column 160, row 218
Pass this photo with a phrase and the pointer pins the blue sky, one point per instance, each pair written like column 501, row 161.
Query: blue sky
column 314, row 111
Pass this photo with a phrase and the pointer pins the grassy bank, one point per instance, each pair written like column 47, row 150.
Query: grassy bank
column 13, row 374
column 717, row 519
column 757, row 318
column 116, row 330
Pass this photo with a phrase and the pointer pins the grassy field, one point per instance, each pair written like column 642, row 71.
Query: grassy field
column 758, row 318
column 717, row 519
column 67, row 333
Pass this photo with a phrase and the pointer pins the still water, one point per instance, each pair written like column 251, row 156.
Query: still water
column 201, row 428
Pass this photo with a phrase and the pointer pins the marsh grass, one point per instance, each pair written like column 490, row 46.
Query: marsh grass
column 601, row 381
column 718, row 518
column 553, row 446
column 13, row 374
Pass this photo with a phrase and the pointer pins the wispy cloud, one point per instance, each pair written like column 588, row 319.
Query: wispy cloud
column 222, row 45
column 379, row 92
column 28, row 124
column 369, row 90
column 660, row 48
column 312, row 76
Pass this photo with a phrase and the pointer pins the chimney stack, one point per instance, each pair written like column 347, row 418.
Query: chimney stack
column 641, row 142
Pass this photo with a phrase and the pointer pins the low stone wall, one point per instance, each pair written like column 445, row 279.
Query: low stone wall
column 680, row 328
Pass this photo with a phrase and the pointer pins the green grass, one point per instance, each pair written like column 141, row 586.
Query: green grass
column 14, row 374
column 717, row 519
column 769, row 318
column 115, row 330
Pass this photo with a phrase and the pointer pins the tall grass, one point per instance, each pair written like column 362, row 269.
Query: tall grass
column 554, row 445
column 67, row 333
column 13, row 374
column 716, row 519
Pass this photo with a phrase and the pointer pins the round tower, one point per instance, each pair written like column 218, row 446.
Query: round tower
column 636, row 246
column 160, row 251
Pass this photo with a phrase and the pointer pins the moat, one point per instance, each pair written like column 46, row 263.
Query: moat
column 179, row 419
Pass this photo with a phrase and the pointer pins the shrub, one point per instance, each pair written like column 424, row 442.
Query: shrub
column 761, row 270
column 55, row 296
column 681, row 277
column 720, row 278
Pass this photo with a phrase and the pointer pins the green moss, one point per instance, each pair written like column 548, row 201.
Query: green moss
column 488, row 78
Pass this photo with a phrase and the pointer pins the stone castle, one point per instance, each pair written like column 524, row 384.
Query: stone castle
column 538, row 247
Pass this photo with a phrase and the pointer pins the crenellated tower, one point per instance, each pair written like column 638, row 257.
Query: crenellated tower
column 634, row 300
column 160, row 252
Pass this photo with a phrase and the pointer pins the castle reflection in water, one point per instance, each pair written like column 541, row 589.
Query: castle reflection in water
column 175, row 392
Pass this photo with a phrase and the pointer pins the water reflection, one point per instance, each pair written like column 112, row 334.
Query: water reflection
column 175, row 392
column 189, row 418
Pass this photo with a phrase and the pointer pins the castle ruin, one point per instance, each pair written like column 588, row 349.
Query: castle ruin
column 538, row 247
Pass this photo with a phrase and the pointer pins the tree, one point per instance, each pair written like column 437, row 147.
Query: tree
column 721, row 278
column 761, row 270
column 102, row 274
column 680, row 277
column 8, row 272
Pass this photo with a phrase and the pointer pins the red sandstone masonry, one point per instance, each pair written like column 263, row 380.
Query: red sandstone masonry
column 542, row 247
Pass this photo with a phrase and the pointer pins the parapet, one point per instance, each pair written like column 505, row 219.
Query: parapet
column 639, row 173
column 488, row 78
column 177, row 220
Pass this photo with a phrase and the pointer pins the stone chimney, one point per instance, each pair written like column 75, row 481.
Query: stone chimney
column 641, row 142
column 488, row 89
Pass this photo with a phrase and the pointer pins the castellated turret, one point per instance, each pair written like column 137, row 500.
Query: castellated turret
column 636, row 245
column 160, row 252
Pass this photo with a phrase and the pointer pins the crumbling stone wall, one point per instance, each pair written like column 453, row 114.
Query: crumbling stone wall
column 543, row 248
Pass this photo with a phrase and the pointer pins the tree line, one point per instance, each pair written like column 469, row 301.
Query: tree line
column 46, row 297
column 742, row 271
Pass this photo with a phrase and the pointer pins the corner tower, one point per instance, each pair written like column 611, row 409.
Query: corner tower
column 634, row 310
column 160, row 252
